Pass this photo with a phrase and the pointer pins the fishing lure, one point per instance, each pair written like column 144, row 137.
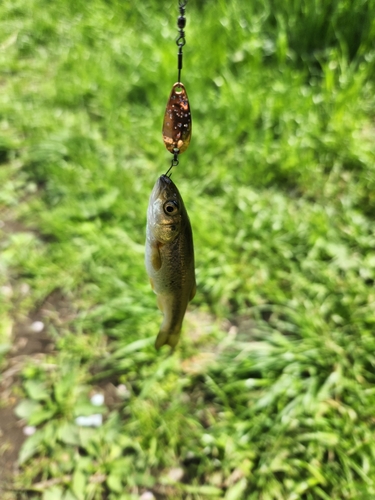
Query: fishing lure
column 177, row 122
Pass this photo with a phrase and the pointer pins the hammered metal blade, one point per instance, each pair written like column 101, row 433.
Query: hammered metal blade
column 177, row 120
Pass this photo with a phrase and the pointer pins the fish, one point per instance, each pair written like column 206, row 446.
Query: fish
column 169, row 258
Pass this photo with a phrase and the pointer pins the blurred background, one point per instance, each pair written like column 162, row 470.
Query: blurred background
column 270, row 393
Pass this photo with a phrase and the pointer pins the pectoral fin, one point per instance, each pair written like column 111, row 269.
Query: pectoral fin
column 155, row 257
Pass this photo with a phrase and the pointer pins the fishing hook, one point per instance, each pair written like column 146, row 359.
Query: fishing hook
column 174, row 162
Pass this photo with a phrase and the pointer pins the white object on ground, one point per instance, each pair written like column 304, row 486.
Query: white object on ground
column 123, row 391
column 94, row 420
column 37, row 326
column 29, row 430
column 97, row 399
column 147, row 495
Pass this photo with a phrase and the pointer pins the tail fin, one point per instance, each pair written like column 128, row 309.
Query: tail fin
column 167, row 338
column 161, row 339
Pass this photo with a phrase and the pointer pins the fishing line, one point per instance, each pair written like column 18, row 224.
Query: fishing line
column 177, row 117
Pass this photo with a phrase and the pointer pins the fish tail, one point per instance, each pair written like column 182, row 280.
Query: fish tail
column 161, row 339
column 166, row 337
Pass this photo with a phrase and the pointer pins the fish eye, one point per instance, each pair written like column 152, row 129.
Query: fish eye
column 171, row 207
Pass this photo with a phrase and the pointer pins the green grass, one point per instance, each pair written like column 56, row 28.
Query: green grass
column 279, row 183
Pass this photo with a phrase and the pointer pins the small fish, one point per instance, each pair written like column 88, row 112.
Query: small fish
column 169, row 258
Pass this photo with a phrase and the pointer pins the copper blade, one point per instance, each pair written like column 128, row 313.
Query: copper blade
column 177, row 120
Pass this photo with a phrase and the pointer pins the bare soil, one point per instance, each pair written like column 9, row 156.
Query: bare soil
column 27, row 343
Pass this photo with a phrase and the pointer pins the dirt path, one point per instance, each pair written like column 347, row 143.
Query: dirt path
column 28, row 343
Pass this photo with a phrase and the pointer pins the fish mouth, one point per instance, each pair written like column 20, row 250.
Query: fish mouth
column 165, row 178
column 164, row 183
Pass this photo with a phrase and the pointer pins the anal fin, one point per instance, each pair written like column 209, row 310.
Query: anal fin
column 152, row 284
column 160, row 303
column 193, row 292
